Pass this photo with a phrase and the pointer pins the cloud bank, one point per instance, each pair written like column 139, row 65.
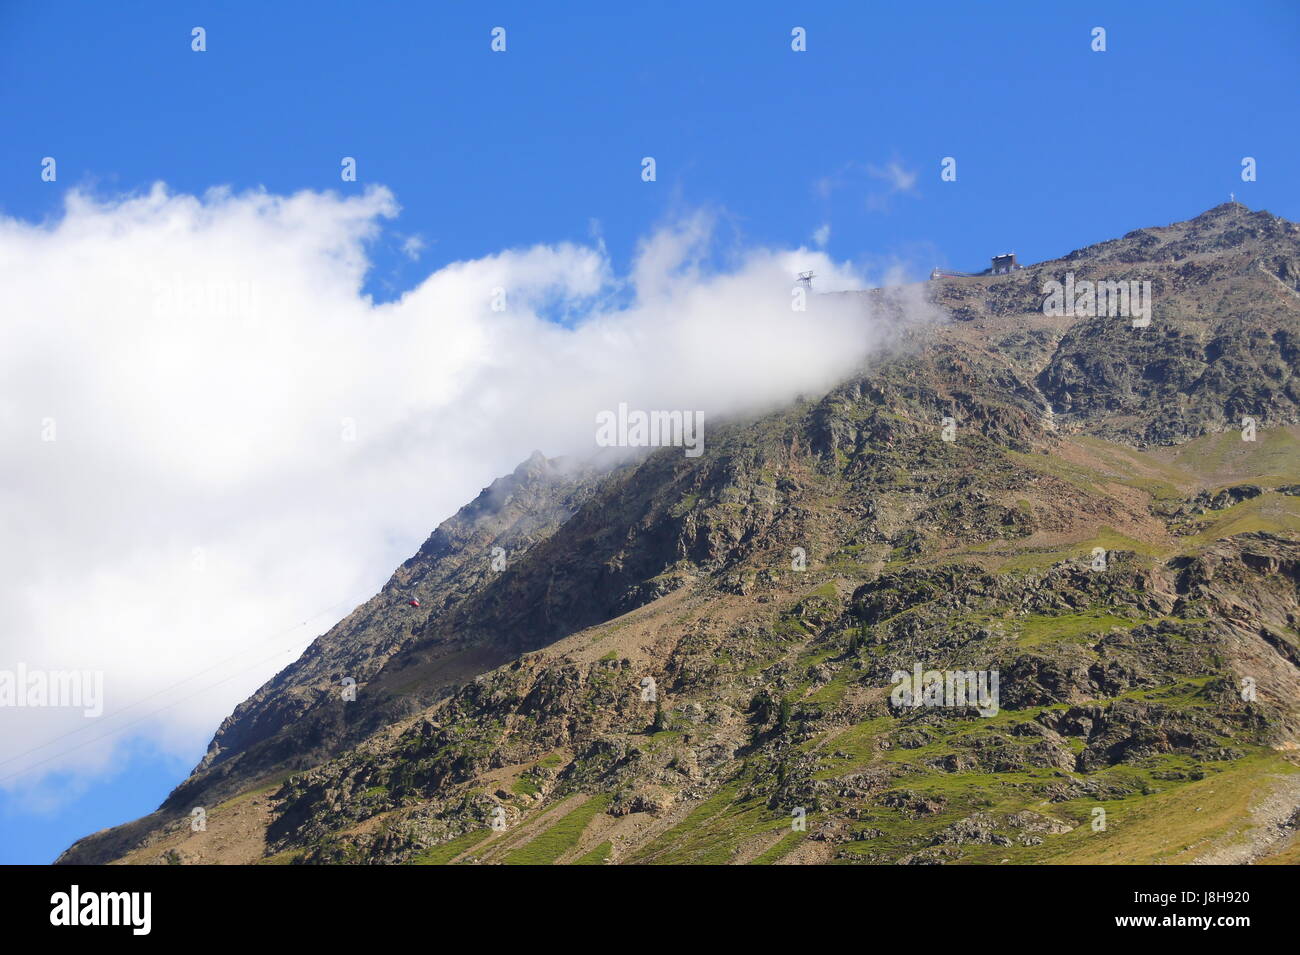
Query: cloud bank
column 214, row 445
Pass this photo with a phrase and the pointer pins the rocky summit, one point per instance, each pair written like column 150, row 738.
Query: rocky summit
column 1025, row 588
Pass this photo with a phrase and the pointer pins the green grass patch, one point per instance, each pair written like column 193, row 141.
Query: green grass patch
column 562, row 836
column 443, row 854
column 783, row 847
column 1039, row 629
column 1270, row 512
column 525, row 786
column 598, row 855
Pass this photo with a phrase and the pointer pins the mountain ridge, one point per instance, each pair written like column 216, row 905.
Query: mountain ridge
column 1071, row 435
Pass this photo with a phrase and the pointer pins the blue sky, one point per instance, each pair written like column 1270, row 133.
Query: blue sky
column 1056, row 146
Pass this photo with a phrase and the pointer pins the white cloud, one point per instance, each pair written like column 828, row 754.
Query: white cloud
column 898, row 177
column 822, row 235
column 898, row 180
column 412, row 246
column 203, row 359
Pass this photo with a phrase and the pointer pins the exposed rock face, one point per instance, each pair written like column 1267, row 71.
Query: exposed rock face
column 1222, row 345
column 649, row 677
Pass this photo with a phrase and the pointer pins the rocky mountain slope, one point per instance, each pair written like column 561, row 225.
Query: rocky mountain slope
column 1102, row 532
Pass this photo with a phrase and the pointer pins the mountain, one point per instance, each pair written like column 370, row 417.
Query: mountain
column 1110, row 540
